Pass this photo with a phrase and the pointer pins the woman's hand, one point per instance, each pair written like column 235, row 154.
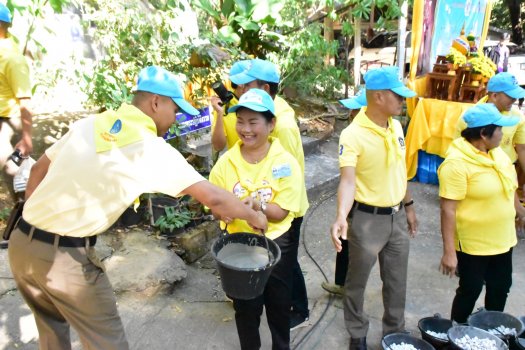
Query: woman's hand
column 252, row 203
column 449, row 262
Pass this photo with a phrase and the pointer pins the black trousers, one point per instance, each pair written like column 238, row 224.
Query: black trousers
column 474, row 270
column 276, row 298
column 299, row 294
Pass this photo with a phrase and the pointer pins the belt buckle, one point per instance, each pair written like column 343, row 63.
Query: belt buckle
column 395, row 209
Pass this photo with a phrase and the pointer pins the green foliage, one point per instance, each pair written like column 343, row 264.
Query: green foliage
column 4, row 214
column 248, row 24
column 34, row 9
column 303, row 64
column 173, row 218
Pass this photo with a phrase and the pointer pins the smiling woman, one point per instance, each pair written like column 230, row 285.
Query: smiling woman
column 259, row 171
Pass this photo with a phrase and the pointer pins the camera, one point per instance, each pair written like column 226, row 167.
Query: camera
column 224, row 94
column 17, row 157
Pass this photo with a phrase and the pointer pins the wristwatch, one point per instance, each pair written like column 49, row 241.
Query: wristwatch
column 409, row 203
column 263, row 207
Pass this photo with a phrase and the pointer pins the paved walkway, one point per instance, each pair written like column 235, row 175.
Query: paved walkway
column 194, row 314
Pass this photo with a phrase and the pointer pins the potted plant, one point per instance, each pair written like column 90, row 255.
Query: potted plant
column 481, row 67
column 174, row 219
column 455, row 58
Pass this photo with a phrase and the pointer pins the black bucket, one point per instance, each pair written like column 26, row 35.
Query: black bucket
column 398, row 338
column 434, row 324
column 245, row 282
column 488, row 320
column 458, row 332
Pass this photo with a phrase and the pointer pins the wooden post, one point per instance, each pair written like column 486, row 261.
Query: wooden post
column 357, row 53
column 328, row 36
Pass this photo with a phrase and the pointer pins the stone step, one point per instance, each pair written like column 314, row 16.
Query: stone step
column 321, row 174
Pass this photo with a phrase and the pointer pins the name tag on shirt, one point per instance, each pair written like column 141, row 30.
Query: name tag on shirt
column 281, row 171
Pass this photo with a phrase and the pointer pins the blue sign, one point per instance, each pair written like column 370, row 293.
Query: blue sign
column 191, row 123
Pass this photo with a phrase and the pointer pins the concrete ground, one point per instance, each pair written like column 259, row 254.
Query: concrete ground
column 194, row 313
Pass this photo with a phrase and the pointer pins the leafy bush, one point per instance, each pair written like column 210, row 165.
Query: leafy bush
column 303, row 64
column 174, row 218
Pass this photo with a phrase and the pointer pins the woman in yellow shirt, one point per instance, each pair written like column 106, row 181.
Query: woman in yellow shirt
column 259, row 171
column 477, row 186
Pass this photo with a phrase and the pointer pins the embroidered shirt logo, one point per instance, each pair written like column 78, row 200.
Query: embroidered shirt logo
column 401, row 142
column 115, row 129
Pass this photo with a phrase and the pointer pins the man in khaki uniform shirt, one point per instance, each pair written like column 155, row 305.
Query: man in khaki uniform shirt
column 79, row 188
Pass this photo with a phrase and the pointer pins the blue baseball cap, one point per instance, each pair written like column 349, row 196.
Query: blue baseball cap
column 5, row 14
column 257, row 69
column 356, row 102
column 486, row 114
column 507, row 83
column 257, row 100
column 158, row 80
column 387, row 78
column 239, row 67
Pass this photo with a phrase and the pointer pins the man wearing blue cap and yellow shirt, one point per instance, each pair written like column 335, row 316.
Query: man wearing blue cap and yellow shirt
column 373, row 191
column 503, row 91
column 79, row 188
column 15, row 96
column 477, row 186
column 354, row 104
column 262, row 74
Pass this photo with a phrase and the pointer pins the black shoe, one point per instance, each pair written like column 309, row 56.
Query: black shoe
column 358, row 344
column 3, row 244
column 298, row 321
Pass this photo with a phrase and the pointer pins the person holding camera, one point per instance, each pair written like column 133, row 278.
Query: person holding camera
column 223, row 124
column 16, row 118
column 79, row 188
column 15, row 97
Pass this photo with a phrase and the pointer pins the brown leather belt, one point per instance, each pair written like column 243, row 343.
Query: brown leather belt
column 48, row 237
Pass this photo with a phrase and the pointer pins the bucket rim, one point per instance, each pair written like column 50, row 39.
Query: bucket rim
column 270, row 264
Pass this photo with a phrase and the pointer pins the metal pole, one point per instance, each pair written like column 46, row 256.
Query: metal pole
column 401, row 38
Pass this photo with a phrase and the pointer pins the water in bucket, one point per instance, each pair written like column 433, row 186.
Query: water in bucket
column 244, row 256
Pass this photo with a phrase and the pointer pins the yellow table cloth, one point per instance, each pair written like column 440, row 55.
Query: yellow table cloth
column 432, row 129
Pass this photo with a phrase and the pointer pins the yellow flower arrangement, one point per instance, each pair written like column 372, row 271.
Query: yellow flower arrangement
column 483, row 65
column 456, row 57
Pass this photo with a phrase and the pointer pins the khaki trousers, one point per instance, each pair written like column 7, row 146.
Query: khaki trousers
column 66, row 286
column 372, row 236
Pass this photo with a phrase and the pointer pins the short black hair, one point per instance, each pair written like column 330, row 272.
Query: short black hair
column 266, row 114
column 233, row 85
column 274, row 87
column 473, row 134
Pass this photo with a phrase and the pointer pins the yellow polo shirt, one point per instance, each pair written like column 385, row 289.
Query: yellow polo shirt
column 276, row 179
column 484, row 215
column 512, row 135
column 228, row 124
column 14, row 77
column 85, row 192
column 378, row 182
column 286, row 130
